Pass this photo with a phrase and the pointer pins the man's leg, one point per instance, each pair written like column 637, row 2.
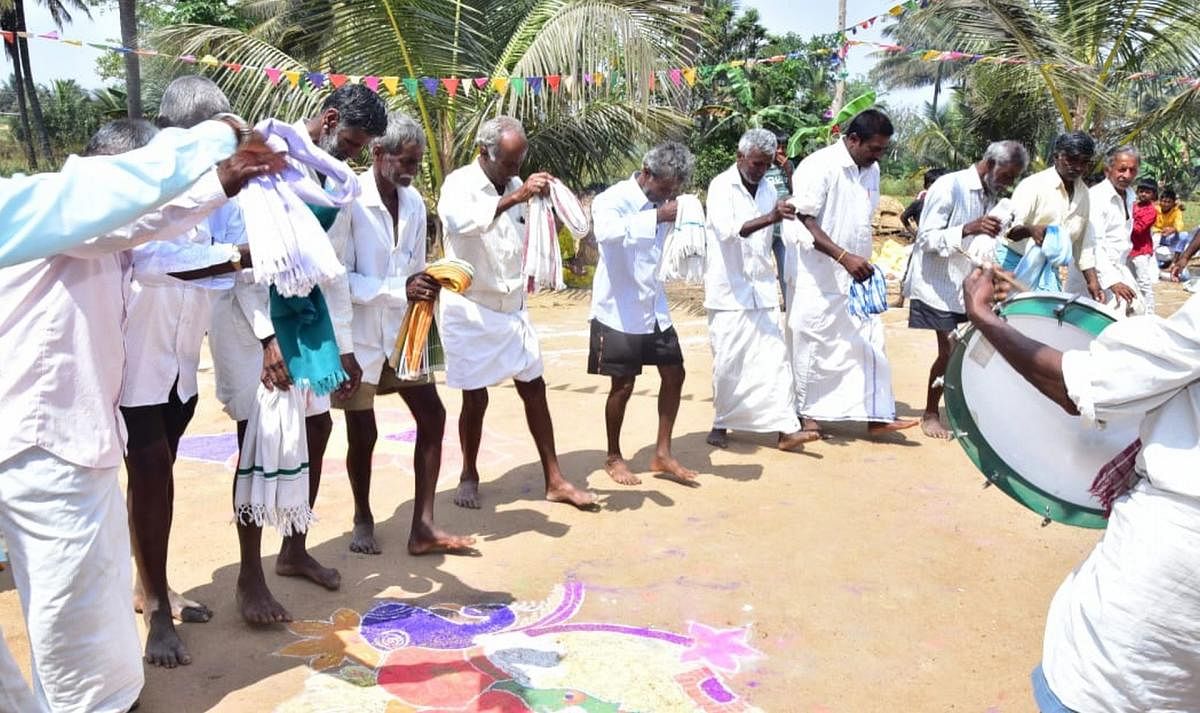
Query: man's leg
column 69, row 547
column 361, row 435
column 1145, row 269
column 537, row 416
column 470, row 433
column 254, row 599
column 668, row 408
column 931, row 420
column 427, row 410
column 294, row 559
column 614, row 416
column 148, row 464
column 177, row 417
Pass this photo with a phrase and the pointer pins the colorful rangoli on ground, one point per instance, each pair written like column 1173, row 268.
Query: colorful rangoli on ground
column 511, row 658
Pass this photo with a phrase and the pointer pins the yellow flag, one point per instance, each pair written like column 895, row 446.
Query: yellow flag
column 293, row 77
column 392, row 84
column 930, row 55
column 689, row 75
column 209, row 60
column 500, row 84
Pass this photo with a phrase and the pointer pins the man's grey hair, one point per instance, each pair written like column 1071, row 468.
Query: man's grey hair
column 1007, row 153
column 493, row 130
column 402, row 130
column 120, row 136
column 757, row 141
column 670, row 160
column 189, row 100
column 1123, row 150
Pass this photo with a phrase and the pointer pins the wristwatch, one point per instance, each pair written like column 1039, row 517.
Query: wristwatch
column 238, row 124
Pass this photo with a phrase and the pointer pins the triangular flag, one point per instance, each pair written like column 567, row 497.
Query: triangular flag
column 189, row 58
column 76, row 43
column 430, row 84
column 689, row 76
column 896, row 11
column 411, row 84
column 392, row 84
column 553, row 81
column 337, row 80
column 97, row 45
column 209, row 61
column 372, row 83
column 535, row 84
column 598, row 78
column 481, row 82
column 293, row 77
column 451, row 85
column 587, row 78
column 500, row 84
column 316, row 79
column 466, row 87
column 676, row 77
column 146, row 53
column 568, row 82
column 930, row 55
column 652, row 80
column 356, row 79
column 273, row 75
column 233, row 66
column 9, row 37
column 518, row 85
column 23, row 34
column 52, row 35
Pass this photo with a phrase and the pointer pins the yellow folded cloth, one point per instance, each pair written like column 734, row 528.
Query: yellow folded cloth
column 414, row 356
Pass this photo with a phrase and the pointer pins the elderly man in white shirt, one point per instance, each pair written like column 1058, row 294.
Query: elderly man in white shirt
column 61, row 509
column 486, row 332
column 955, row 215
column 1111, row 215
column 838, row 360
column 742, row 300
column 1123, row 631
column 630, row 326
column 380, row 239
column 1057, row 196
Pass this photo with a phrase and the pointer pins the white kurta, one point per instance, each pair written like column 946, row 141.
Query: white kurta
column 486, row 332
column 838, row 361
column 752, row 379
column 1123, row 631
column 1111, row 218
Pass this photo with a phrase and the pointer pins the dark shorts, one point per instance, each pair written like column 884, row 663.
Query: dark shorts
column 614, row 353
column 147, row 425
column 922, row 316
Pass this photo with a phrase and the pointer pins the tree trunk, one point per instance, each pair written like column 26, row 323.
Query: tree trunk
column 14, row 53
column 937, row 88
column 39, row 124
column 133, row 74
column 839, row 92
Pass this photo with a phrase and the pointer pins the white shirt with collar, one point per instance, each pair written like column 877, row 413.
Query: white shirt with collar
column 739, row 273
column 938, row 270
column 493, row 244
column 626, row 293
column 1041, row 199
column 61, row 318
column 1111, row 217
column 379, row 256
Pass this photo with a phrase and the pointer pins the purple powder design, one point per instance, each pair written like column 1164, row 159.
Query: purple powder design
column 393, row 626
column 212, row 448
column 716, row 691
column 406, row 436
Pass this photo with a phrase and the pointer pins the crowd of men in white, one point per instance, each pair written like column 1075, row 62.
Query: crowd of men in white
column 116, row 268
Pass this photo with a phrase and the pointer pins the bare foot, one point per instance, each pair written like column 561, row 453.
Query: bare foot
column 182, row 608
column 619, row 471
column 467, row 494
column 305, row 566
column 257, row 605
column 564, row 492
column 674, row 470
column 932, row 426
column 362, row 539
column 810, row 426
column 718, row 438
column 163, row 645
column 878, row 427
column 433, row 541
column 795, row 441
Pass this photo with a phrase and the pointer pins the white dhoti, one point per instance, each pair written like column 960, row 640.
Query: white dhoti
column 68, row 542
column 1145, row 271
column 838, row 361
column 485, row 347
column 752, row 380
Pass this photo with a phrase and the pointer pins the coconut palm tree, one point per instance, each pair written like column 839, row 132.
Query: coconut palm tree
column 127, row 11
column 630, row 41
column 13, row 50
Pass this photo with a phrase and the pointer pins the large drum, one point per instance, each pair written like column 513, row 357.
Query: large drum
column 1022, row 442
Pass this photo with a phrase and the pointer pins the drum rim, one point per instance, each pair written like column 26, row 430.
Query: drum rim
column 981, row 453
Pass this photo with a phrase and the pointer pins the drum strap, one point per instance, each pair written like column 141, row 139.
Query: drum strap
column 1117, row 476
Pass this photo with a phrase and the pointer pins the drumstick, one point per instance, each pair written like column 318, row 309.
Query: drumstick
column 1017, row 285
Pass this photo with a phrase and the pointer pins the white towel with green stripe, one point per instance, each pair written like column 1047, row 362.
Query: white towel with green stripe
column 272, row 475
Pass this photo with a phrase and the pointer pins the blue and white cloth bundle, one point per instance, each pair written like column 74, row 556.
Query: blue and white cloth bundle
column 869, row 296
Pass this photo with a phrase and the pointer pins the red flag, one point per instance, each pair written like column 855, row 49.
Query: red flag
column 553, row 80
column 451, row 85
column 337, row 80
column 8, row 36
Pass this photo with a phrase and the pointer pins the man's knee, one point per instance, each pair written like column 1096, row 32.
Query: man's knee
column 535, row 388
column 361, row 430
column 622, row 387
column 319, row 426
column 672, row 374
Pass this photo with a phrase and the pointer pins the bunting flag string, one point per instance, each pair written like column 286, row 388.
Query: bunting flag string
column 893, row 12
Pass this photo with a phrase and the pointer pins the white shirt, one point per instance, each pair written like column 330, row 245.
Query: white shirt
column 1111, row 217
column 938, row 271
column 1041, row 199
column 379, row 256
column 739, row 273
column 61, row 320
column 626, row 293
column 829, row 186
column 225, row 226
column 493, row 244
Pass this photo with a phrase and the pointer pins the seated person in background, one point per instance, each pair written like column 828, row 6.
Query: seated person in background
column 1168, row 228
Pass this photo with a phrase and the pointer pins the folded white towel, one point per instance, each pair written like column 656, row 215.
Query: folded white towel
column 271, row 487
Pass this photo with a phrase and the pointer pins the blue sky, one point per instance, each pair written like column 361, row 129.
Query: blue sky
column 53, row 60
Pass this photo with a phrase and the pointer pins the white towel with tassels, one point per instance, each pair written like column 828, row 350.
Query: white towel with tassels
column 271, row 487
column 684, row 249
column 542, row 267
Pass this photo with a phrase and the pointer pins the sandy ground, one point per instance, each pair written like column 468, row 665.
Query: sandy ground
column 857, row 576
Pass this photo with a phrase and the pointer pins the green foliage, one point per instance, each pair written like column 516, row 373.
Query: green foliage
column 71, row 113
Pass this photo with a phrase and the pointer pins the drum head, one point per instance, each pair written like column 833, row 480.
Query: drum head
column 1021, row 441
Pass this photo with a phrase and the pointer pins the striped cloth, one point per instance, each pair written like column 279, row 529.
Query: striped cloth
column 271, row 487
column 869, row 296
column 542, row 266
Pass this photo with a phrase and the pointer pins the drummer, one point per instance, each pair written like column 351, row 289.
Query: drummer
column 955, row 212
column 1123, row 631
